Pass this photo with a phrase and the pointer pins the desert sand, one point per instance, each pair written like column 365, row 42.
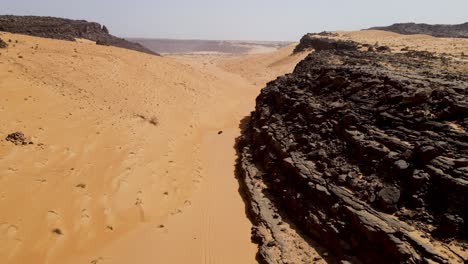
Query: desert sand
column 420, row 42
column 128, row 164
column 133, row 155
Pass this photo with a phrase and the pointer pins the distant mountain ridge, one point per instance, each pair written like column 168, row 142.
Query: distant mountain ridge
column 439, row 30
column 66, row 29
column 185, row 46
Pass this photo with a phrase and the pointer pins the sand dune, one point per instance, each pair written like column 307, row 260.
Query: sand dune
column 127, row 164
column 133, row 155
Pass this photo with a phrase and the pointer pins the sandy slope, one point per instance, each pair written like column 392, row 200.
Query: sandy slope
column 103, row 184
column 128, row 165
column 454, row 46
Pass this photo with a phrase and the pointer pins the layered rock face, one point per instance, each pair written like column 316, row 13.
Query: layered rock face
column 65, row 29
column 312, row 41
column 363, row 152
column 446, row 31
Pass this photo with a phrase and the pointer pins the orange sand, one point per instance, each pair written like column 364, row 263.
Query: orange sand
column 127, row 165
column 455, row 46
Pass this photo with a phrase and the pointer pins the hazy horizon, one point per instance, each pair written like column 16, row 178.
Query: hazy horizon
column 258, row 20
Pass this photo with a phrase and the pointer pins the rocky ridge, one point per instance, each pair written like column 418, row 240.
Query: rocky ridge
column 363, row 152
column 446, row 31
column 318, row 42
column 65, row 29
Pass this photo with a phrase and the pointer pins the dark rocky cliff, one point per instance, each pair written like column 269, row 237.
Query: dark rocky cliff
column 318, row 43
column 364, row 153
column 65, row 29
column 447, row 31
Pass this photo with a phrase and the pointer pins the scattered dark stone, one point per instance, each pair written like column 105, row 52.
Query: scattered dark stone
column 445, row 31
column 427, row 153
column 57, row 231
column 388, row 198
column 401, row 165
column 326, row 34
column 18, row 138
column 3, row 44
column 220, row 132
column 65, row 29
column 81, row 185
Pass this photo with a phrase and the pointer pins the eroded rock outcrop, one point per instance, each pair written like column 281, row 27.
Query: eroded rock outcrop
column 446, row 31
column 365, row 153
column 318, row 42
column 65, row 29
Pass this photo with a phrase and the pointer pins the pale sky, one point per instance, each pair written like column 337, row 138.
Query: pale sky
column 241, row 19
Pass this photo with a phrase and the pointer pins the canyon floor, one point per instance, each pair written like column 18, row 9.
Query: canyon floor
column 133, row 155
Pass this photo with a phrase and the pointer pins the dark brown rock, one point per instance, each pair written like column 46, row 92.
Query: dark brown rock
column 388, row 198
column 445, row 31
column 3, row 44
column 18, row 138
column 427, row 153
column 357, row 151
column 311, row 41
column 65, row 29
